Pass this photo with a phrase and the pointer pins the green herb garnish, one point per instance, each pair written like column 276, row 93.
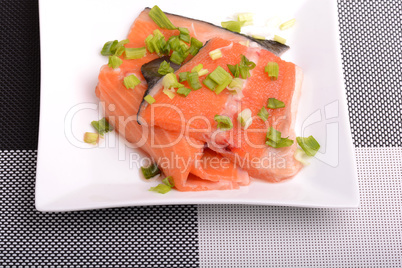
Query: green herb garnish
column 131, row 81
column 161, row 19
column 309, row 145
column 135, row 53
column 102, row 126
column 243, row 68
column 164, row 68
column 234, row 26
column 183, row 91
column 195, row 46
column 263, row 114
column 150, row 171
column 272, row 68
column 275, row 104
column 275, row 140
column 224, row 122
column 193, row 80
column 114, row 62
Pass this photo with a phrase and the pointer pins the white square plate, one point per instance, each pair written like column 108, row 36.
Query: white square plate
column 72, row 175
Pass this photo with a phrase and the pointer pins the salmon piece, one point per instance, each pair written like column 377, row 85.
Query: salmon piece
column 203, row 31
column 121, row 106
column 246, row 148
column 197, row 110
column 214, row 167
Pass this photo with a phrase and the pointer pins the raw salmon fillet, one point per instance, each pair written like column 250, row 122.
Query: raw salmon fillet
column 195, row 113
column 121, row 107
column 197, row 172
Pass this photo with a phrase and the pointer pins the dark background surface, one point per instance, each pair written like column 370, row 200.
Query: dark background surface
column 159, row 236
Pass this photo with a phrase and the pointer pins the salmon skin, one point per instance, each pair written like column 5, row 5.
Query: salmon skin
column 243, row 147
column 271, row 45
column 201, row 30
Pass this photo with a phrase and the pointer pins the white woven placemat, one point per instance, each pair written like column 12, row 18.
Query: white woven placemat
column 259, row 236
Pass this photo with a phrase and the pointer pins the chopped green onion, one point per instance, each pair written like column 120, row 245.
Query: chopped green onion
column 236, row 84
column 245, row 62
column 114, row 47
column 160, row 18
column 224, row 122
column 209, row 83
column 150, row 171
column 149, row 99
column 135, row 53
column 263, row 114
column 164, row 68
column 275, row 104
column 309, row 145
column 123, row 42
column 168, row 93
column 102, row 126
column 120, row 50
column 233, row 26
column 284, row 142
column 156, row 42
column 114, row 61
column 243, row 68
column 131, row 81
column 148, row 43
column 183, row 30
column 193, row 80
column 177, row 57
column 202, row 72
column 245, row 18
column 160, row 188
column 195, row 46
column 221, row 78
column 272, row 68
column 245, row 118
column 184, row 34
column 234, row 69
column 259, row 37
column 301, row 156
column 219, row 75
column 185, row 38
column 170, row 80
column 168, row 181
column 197, row 68
column 279, row 39
column 183, row 48
column 183, row 76
column 244, row 71
column 109, row 48
column 91, row 138
column 287, row 25
column 274, row 135
column 215, row 54
column 183, row 91
column 275, row 140
column 221, row 87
